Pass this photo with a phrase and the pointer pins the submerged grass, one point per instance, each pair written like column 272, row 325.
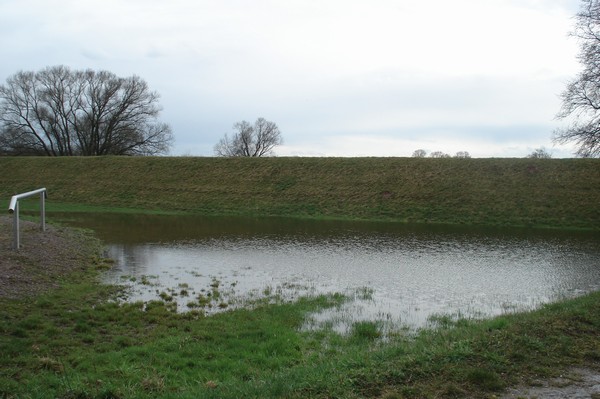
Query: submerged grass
column 510, row 192
column 74, row 342
column 69, row 343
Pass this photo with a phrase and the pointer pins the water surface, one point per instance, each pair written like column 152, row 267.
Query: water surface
column 397, row 273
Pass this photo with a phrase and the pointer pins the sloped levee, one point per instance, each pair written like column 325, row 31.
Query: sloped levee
column 558, row 193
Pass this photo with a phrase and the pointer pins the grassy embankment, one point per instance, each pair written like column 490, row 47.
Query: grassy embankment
column 560, row 193
column 71, row 342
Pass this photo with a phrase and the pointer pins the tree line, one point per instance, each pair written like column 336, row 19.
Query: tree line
column 420, row 153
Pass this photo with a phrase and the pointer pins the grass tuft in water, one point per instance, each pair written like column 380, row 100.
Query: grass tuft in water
column 365, row 331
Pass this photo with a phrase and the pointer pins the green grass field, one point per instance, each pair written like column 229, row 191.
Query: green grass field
column 75, row 342
column 559, row 193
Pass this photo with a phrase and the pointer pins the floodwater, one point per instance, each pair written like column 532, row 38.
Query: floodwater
column 396, row 273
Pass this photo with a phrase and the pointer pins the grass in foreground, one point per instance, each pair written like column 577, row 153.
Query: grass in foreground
column 73, row 343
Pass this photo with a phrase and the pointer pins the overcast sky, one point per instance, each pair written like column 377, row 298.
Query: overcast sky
column 339, row 77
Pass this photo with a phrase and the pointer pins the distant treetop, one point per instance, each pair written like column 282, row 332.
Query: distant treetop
column 256, row 140
column 540, row 153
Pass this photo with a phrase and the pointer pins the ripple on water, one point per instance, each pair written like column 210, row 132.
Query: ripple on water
column 409, row 276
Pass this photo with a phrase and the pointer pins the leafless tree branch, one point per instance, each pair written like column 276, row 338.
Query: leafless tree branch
column 58, row 111
column 581, row 98
column 256, row 140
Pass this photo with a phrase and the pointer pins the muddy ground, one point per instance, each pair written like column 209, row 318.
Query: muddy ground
column 577, row 383
column 43, row 258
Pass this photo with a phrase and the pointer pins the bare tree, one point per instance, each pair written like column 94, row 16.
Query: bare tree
column 419, row 153
column 462, row 154
column 581, row 98
column 541, row 153
column 58, row 111
column 250, row 140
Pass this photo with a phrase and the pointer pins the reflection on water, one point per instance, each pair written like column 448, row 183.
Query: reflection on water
column 397, row 273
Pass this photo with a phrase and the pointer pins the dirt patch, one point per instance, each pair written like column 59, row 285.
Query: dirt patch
column 43, row 259
column 577, row 383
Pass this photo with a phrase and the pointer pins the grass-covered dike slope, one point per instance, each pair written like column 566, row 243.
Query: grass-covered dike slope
column 561, row 193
